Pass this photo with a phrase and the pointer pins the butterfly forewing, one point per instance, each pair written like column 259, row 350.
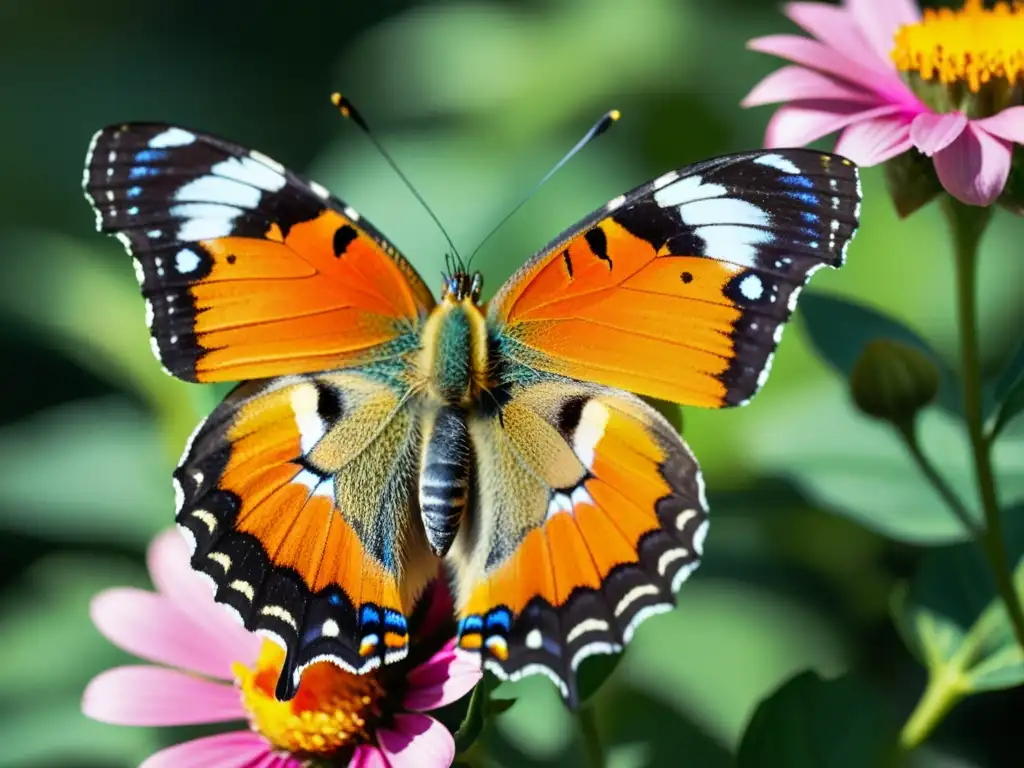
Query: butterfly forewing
column 247, row 269
column 680, row 289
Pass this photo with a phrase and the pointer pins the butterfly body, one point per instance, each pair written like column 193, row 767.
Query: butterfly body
column 379, row 435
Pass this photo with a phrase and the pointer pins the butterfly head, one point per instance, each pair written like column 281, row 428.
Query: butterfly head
column 460, row 285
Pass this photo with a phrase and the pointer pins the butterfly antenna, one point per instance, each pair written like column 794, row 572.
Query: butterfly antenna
column 347, row 110
column 596, row 130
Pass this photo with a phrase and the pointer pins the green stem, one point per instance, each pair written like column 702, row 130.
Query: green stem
column 591, row 736
column 909, row 434
column 942, row 693
column 968, row 224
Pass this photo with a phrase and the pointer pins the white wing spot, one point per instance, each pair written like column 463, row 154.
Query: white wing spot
column 779, row 163
column 350, row 213
column 252, row 172
column 670, row 556
column 587, row 625
column 616, row 203
column 319, row 190
column 244, row 587
column 665, row 180
column 206, row 518
column 259, row 157
column 186, row 261
column 218, row 189
column 752, row 287
column 699, row 536
column 172, row 137
column 633, row 595
column 330, row 628
column 684, row 517
column 534, row 639
column 221, row 559
column 589, row 431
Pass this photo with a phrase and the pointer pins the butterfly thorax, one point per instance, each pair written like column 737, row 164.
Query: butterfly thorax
column 453, row 361
column 453, row 350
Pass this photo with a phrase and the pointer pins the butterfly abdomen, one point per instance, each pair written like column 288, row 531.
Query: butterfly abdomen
column 444, row 477
column 454, row 352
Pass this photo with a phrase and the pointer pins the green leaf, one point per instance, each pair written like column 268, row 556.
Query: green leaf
column 860, row 469
column 593, row 672
column 91, row 470
column 476, row 714
column 67, row 293
column 814, row 723
column 633, row 716
column 50, row 651
column 839, row 329
column 1009, row 393
column 953, row 621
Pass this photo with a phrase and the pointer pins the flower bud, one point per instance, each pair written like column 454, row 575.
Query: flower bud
column 893, row 381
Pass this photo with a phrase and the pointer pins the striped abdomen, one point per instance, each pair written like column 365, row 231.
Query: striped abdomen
column 444, row 477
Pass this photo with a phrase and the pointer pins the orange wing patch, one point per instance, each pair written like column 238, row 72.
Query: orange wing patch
column 275, row 526
column 596, row 557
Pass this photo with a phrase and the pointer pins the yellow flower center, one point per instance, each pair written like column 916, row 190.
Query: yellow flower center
column 333, row 709
column 972, row 45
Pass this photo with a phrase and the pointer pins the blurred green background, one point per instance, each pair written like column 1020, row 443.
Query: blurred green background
column 475, row 100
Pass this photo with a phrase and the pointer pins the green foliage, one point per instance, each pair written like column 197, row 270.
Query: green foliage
column 1009, row 393
column 814, row 723
column 832, row 465
column 952, row 619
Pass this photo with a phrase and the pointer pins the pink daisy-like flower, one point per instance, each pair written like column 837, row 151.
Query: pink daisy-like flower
column 213, row 671
column 959, row 103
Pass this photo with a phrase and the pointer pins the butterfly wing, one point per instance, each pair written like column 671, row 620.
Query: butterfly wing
column 298, row 496
column 679, row 290
column 248, row 270
column 589, row 514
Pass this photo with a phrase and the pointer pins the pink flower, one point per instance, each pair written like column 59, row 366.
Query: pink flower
column 847, row 78
column 375, row 719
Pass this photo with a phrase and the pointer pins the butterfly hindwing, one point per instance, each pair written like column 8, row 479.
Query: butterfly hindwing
column 680, row 289
column 247, row 269
column 298, row 495
column 589, row 514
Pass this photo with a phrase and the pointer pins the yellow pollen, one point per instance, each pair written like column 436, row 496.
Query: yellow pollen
column 333, row 709
column 972, row 45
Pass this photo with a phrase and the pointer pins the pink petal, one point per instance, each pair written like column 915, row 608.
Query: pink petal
column 793, row 83
column 238, row 749
column 799, row 124
column 815, row 55
column 417, row 741
column 192, row 594
column 367, row 756
column 880, row 19
column 836, row 28
column 143, row 695
column 446, row 677
column 870, row 142
column 150, row 626
column 974, row 168
column 1008, row 125
column 931, row 132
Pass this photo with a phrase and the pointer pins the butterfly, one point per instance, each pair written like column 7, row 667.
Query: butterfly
column 379, row 433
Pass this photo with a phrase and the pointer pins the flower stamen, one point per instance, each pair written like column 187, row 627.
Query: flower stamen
column 972, row 45
column 332, row 710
